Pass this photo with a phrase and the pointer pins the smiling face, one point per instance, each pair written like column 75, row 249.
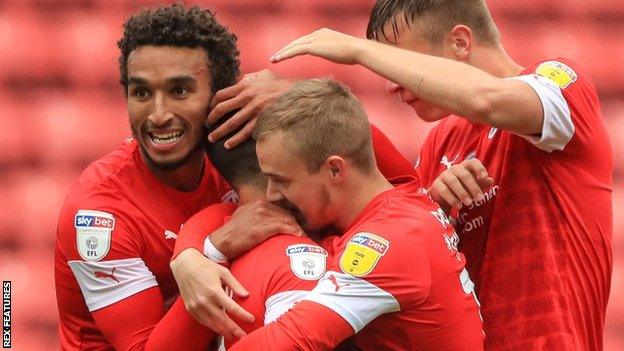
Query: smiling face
column 169, row 91
column 290, row 184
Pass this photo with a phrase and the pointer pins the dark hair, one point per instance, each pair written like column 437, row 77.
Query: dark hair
column 441, row 16
column 239, row 165
column 176, row 25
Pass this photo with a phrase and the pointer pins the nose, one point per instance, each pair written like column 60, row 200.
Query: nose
column 272, row 193
column 392, row 87
column 160, row 114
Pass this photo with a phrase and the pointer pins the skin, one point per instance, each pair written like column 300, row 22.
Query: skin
column 462, row 76
column 169, row 92
column 333, row 196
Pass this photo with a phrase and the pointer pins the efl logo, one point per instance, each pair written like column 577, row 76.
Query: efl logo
column 6, row 314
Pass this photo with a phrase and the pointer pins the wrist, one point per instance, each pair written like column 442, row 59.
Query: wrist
column 213, row 253
column 182, row 256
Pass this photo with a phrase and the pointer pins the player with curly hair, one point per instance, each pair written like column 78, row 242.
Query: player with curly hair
column 117, row 227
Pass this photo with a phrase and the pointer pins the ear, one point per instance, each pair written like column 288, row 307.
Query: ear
column 462, row 40
column 335, row 166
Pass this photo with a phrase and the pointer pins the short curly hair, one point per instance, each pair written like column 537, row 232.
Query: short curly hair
column 191, row 27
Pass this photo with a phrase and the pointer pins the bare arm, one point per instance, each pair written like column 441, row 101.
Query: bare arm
column 453, row 86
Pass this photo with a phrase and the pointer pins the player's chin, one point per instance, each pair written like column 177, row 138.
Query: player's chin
column 169, row 160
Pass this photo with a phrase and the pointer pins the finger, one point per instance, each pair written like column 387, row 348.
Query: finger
column 222, row 108
column 227, row 93
column 222, row 324
column 231, row 282
column 234, row 122
column 243, row 134
column 447, row 195
column 301, row 40
column 477, row 168
column 455, row 186
column 469, row 183
column 485, row 183
column 235, row 309
column 297, row 50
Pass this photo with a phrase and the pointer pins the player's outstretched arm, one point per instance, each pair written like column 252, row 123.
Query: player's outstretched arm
column 451, row 85
column 461, row 185
column 307, row 326
column 251, row 94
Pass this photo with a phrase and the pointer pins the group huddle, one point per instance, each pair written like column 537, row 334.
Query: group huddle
column 263, row 213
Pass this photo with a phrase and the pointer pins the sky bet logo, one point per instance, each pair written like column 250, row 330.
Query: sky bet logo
column 94, row 221
column 371, row 241
column 297, row 249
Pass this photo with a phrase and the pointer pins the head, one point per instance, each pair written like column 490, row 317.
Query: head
column 238, row 166
column 311, row 142
column 173, row 59
column 453, row 29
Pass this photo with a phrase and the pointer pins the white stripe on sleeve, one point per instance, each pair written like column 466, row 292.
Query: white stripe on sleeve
column 557, row 128
column 106, row 282
column 280, row 303
column 354, row 299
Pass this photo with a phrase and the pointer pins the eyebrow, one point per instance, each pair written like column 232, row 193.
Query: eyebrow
column 271, row 174
column 171, row 80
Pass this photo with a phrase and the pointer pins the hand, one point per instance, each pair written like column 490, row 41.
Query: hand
column 325, row 43
column 251, row 94
column 250, row 225
column 201, row 284
column 461, row 185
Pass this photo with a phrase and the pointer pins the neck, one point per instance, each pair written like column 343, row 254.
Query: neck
column 186, row 177
column 249, row 193
column 495, row 61
column 365, row 188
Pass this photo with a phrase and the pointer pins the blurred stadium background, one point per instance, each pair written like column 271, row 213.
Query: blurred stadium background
column 61, row 107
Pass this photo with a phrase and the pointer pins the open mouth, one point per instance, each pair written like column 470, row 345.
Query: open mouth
column 166, row 138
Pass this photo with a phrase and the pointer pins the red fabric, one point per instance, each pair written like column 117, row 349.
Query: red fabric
column 291, row 332
column 195, row 231
column 419, row 269
column 147, row 328
column 539, row 246
column 144, row 209
column 390, row 161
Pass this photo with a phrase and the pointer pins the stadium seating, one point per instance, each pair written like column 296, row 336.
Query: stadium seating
column 61, row 106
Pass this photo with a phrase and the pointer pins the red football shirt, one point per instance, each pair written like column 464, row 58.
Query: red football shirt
column 397, row 280
column 115, row 237
column 539, row 245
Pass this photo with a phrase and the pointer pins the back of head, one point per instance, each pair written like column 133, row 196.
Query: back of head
column 320, row 118
column 179, row 26
column 238, row 166
column 438, row 17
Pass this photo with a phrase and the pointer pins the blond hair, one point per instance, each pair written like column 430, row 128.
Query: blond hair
column 320, row 118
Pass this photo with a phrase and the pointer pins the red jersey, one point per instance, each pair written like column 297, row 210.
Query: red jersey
column 539, row 244
column 277, row 272
column 397, row 280
column 115, row 236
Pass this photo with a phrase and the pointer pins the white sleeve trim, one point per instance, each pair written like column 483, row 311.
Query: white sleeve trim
column 557, row 128
column 105, row 282
column 280, row 303
column 354, row 299
column 213, row 253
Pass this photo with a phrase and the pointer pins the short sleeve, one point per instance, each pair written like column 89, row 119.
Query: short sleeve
column 102, row 247
column 379, row 270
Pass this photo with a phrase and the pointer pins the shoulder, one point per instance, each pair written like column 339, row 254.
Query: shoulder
column 210, row 217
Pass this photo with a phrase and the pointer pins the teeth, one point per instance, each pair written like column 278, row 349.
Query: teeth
column 166, row 138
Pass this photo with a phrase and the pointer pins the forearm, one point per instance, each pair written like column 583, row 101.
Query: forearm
column 456, row 87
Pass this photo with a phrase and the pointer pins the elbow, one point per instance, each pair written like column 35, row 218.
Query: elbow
column 481, row 109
